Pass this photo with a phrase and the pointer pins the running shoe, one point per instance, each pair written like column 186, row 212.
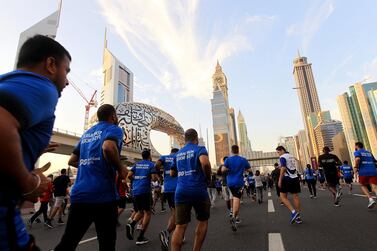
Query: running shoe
column 230, row 214
column 130, row 232
column 60, row 222
column 48, row 224
column 298, row 220
column 315, row 197
column 336, row 204
column 371, row 204
column 233, row 224
column 37, row 220
column 141, row 241
column 164, row 238
column 294, row 217
column 238, row 221
column 163, row 210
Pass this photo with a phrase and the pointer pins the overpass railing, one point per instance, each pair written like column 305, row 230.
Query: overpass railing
column 67, row 132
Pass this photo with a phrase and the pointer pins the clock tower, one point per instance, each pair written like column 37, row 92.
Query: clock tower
column 219, row 80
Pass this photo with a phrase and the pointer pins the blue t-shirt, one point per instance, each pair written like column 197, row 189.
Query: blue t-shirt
column 31, row 99
column 347, row 171
column 236, row 167
column 367, row 163
column 250, row 179
column 95, row 182
column 309, row 174
column 142, row 172
column 192, row 183
column 170, row 183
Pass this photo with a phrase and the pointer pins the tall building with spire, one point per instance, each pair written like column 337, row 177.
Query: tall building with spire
column 243, row 141
column 223, row 121
column 118, row 80
column 308, row 96
column 48, row 26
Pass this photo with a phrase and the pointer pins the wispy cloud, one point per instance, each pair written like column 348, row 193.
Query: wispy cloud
column 164, row 37
column 312, row 23
column 370, row 70
column 260, row 18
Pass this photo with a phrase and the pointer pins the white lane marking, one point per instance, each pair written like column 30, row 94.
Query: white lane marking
column 87, row 240
column 363, row 195
column 271, row 208
column 275, row 242
column 269, row 194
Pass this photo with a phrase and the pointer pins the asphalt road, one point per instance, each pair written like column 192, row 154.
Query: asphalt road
column 264, row 227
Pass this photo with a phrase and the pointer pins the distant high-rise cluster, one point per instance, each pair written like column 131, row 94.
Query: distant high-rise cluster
column 358, row 110
column 320, row 128
column 244, row 141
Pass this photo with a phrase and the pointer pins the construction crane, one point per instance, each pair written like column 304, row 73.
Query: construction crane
column 89, row 103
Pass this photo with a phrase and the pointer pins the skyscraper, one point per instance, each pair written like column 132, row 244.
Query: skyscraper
column 118, row 80
column 47, row 27
column 223, row 123
column 358, row 117
column 243, row 141
column 307, row 93
column 302, row 148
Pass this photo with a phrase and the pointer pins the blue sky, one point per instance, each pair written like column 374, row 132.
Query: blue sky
column 172, row 47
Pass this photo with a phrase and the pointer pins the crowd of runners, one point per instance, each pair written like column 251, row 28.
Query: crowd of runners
column 182, row 180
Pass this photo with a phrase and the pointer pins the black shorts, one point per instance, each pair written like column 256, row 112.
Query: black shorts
column 289, row 185
column 183, row 211
column 236, row 191
column 122, row 202
column 169, row 197
column 142, row 202
column 332, row 179
column 348, row 180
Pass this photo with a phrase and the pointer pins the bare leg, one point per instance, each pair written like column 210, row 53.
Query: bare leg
column 177, row 238
column 374, row 188
column 146, row 220
column 236, row 206
column 366, row 191
column 171, row 222
column 200, row 235
column 296, row 202
column 284, row 199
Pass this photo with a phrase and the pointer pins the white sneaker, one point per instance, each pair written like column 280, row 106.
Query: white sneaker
column 371, row 204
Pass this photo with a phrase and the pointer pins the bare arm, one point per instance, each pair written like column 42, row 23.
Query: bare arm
column 11, row 161
column 206, row 166
column 357, row 164
column 130, row 176
column 154, row 177
column 73, row 160
column 173, row 173
column 282, row 172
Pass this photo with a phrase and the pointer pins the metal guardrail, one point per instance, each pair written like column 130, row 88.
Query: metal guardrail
column 67, row 132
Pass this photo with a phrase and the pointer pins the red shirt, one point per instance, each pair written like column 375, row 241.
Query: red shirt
column 46, row 196
column 121, row 187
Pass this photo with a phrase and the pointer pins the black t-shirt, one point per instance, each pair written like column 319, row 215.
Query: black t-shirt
column 60, row 185
column 275, row 175
column 329, row 162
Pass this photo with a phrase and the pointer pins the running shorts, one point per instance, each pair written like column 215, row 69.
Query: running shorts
column 289, row 185
column 368, row 180
column 236, row 191
column 122, row 202
column 227, row 195
column 169, row 197
column 142, row 202
column 332, row 179
column 183, row 211
column 59, row 201
column 348, row 180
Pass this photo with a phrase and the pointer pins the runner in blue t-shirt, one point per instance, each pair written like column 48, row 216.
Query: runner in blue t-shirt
column 142, row 174
column 347, row 173
column 94, row 195
column 365, row 165
column 192, row 166
column 28, row 98
column 170, row 184
column 311, row 181
column 235, row 166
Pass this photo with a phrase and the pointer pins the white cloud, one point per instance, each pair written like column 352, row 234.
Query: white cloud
column 163, row 36
column 260, row 18
column 370, row 70
column 312, row 23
